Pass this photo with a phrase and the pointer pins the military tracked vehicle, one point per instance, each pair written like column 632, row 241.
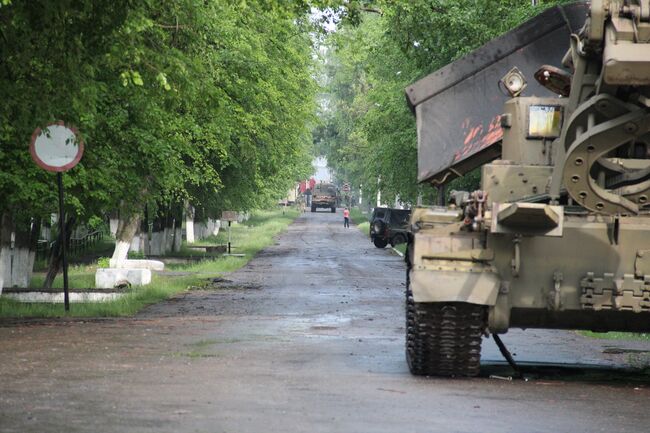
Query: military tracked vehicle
column 556, row 114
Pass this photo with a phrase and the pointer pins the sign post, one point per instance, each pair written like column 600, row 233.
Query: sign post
column 57, row 148
column 346, row 190
column 230, row 216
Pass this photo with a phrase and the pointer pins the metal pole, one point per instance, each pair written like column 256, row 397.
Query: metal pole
column 229, row 222
column 66, row 296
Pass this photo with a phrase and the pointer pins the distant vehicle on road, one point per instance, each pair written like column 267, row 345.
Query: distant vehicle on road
column 389, row 226
column 324, row 196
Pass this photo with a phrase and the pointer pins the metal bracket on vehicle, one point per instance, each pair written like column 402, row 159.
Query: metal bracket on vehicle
column 479, row 286
column 535, row 219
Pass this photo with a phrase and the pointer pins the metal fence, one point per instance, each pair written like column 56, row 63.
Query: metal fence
column 75, row 245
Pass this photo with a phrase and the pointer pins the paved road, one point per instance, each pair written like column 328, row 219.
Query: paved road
column 307, row 338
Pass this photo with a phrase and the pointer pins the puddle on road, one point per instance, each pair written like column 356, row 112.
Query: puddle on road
column 219, row 283
column 568, row 373
column 327, row 325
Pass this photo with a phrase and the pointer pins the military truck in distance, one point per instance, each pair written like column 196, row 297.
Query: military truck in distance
column 558, row 236
column 324, row 196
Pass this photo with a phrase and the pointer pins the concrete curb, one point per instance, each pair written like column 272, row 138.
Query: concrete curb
column 398, row 252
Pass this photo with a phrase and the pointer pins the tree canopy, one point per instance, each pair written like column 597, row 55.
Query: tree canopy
column 367, row 131
column 207, row 101
column 216, row 102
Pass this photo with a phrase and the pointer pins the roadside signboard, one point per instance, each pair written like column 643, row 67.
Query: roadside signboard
column 58, row 148
column 229, row 215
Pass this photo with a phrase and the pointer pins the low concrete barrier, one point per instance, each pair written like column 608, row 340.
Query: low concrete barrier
column 108, row 278
column 154, row 265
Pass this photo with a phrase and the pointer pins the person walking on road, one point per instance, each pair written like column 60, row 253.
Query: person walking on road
column 346, row 218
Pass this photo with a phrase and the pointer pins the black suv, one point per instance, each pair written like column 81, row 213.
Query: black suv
column 389, row 226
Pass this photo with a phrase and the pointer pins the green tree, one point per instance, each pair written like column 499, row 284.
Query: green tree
column 209, row 102
column 368, row 131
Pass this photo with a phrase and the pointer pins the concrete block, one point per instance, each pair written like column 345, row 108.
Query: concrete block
column 108, row 278
column 52, row 297
column 154, row 265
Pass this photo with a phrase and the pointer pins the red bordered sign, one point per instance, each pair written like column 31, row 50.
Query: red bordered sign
column 56, row 147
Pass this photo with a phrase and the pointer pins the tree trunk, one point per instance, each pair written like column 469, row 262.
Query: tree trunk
column 189, row 223
column 24, row 252
column 5, row 248
column 126, row 229
column 177, row 235
column 158, row 235
column 169, row 229
column 56, row 256
column 113, row 221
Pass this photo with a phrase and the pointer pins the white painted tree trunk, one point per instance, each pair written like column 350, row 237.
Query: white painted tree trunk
column 157, row 243
column 2, row 268
column 189, row 223
column 189, row 230
column 135, row 243
column 5, row 249
column 22, row 266
column 46, row 232
column 199, row 231
column 212, row 227
column 17, row 252
column 126, row 230
column 113, row 223
column 169, row 239
column 178, row 238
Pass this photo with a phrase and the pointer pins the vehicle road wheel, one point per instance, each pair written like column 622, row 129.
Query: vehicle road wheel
column 313, row 208
column 444, row 338
column 333, row 210
column 398, row 239
column 380, row 242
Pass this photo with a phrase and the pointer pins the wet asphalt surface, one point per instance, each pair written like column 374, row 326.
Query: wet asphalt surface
column 308, row 337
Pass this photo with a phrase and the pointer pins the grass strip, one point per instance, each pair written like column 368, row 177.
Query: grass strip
column 360, row 220
column 247, row 238
column 616, row 335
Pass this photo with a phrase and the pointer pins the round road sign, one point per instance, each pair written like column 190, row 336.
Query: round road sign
column 56, row 147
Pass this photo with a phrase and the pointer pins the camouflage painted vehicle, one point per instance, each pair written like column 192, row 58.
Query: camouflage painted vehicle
column 558, row 236
column 324, row 196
